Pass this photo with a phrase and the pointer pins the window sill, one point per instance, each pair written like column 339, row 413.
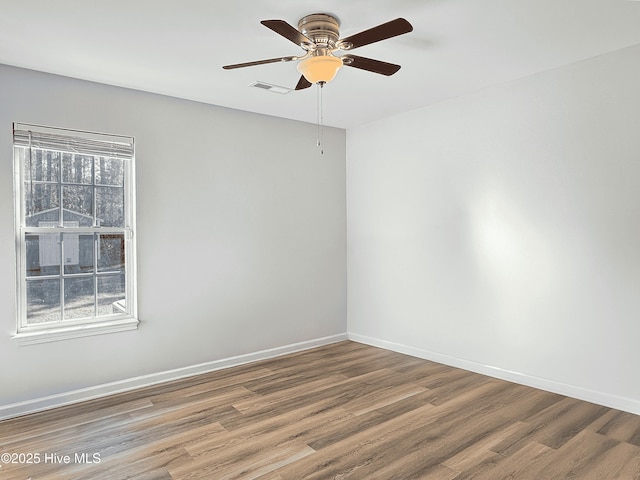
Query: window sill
column 75, row 331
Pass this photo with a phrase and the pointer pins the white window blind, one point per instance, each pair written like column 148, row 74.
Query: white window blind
column 61, row 140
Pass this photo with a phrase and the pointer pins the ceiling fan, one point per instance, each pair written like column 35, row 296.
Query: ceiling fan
column 319, row 36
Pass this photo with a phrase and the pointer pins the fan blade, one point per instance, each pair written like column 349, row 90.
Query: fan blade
column 369, row 64
column 287, row 31
column 390, row 29
column 259, row 62
column 303, row 83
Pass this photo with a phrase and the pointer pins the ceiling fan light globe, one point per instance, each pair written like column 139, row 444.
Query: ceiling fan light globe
column 320, row 68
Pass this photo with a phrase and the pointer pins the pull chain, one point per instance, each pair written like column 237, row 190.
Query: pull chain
column 320, row 119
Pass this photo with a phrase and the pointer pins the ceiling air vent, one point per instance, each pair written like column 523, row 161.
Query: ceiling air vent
column 270, row 87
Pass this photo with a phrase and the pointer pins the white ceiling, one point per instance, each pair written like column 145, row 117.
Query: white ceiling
column 178, row 48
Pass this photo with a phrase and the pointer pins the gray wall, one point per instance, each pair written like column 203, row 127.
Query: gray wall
column 501, row 231
column 241, row 234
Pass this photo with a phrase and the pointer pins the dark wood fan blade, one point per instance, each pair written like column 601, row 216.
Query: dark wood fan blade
column 390, row 29
column 259, row 62
column 303, row 83
column 287, row 31
column 369, row 64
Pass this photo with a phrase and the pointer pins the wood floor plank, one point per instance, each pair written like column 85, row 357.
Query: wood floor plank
column 340, row 411
column 21, row 429
column 622, row 462
column 624, row 427
column 349, row 456
column 521, row 403
column 511, row 467
column 298, row 425
column 580, row 454
column 554, row 425
column 266, row 401
column 480, row 451
column 239, row 465
column 337, row 394
column 412, row 467
column 381, row 398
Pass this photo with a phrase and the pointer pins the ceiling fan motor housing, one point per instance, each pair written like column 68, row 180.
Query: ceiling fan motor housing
column 323, row 29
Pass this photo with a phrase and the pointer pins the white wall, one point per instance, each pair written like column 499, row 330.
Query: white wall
column 501, row 231
column 241, row 234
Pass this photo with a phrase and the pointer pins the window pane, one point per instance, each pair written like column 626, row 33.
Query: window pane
column 78, row 253
column 78, row 203
column 111, row 294
column 43, row 254
column 42, row 203
column 43, row 301
column 110, row 206
column 77, row 168
column 78, row 297
column 33, row 256
column 111, row 253
column 42, row 166
column 109, row 171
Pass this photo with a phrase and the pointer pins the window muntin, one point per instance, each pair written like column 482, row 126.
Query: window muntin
column 74, row 218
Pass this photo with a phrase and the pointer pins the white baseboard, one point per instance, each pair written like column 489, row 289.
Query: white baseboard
column 90, row 393
column 66, row 398
column 600, row 398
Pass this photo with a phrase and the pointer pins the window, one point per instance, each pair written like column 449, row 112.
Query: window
column 75, row 223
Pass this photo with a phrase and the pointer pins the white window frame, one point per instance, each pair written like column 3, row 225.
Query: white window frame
column 89, row 143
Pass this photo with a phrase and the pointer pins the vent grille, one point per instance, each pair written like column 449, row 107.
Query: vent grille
column 271, row 88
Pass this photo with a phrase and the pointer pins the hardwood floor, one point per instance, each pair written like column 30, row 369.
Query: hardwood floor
column 343, row 411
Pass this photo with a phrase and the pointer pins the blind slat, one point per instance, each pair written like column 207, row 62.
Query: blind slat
column 72, row 144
